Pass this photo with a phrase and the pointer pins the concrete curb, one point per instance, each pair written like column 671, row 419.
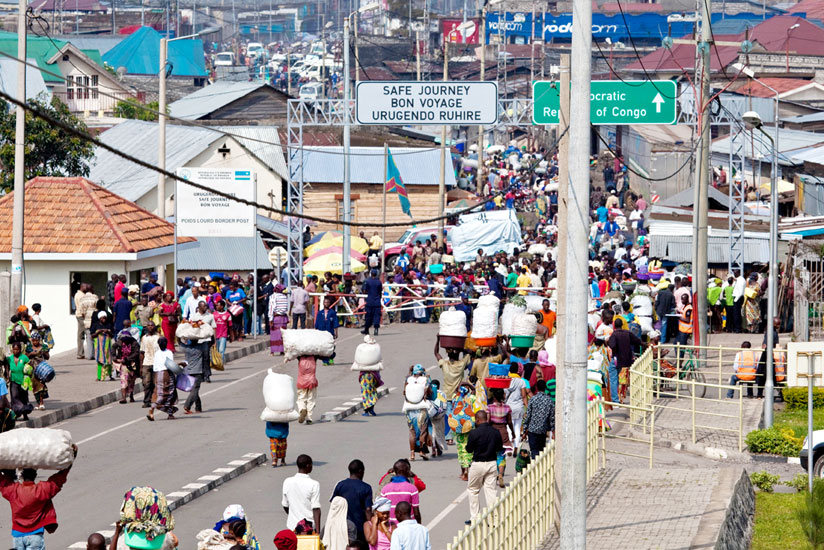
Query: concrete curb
column 201, row 486
column 339, row 413
column 75, row 409
column 776, row 459
column 713, row 453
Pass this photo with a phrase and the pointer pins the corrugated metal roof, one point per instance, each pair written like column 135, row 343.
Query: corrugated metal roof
column 139, row 139
column 679, row 249
column 183, row 143
column 802, row 119
column 418, row 166
column 223, row 254
column 272, row 156
column 34, row 79
column 211, row 98
column 789, row 141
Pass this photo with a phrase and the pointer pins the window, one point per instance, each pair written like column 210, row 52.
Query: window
column 94, row 86
column 69, row 88
column 97, row 279
column 85, row 87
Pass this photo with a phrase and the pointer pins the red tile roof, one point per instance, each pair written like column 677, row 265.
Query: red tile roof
column 806, row 39
column 813, row 8
column 758, row 89
column 682, row 57
column 73, row 215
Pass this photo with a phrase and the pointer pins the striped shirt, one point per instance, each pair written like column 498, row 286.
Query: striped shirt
column 278, row 304
column 400, row 490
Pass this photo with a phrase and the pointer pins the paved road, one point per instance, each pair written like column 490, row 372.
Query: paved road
column 119, row 448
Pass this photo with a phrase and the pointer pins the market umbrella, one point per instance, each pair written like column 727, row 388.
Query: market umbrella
column 456, row 194
column 322, row 263
column 323, row 235
column 339, row 251
column 337, row 240
column 463, row 203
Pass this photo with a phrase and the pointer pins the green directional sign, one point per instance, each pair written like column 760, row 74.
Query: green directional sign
column 612, row 102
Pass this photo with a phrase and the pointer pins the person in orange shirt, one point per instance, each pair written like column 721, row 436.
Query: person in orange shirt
column 548, row 318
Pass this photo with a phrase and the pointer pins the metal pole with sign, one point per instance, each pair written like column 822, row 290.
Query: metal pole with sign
column 256, row 319
column 383, row 229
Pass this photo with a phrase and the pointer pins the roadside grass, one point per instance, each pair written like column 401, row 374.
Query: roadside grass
column 797, row 421
column 775, row 525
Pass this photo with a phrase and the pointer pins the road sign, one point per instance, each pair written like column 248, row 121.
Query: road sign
column 395, row 103
column 612, row 102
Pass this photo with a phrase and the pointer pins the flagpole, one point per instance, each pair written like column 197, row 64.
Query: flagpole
column 383, row 229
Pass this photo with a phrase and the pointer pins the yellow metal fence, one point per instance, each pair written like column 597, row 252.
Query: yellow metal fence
column 522, row 515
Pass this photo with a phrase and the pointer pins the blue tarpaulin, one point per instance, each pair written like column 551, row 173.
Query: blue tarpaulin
column 140, row 55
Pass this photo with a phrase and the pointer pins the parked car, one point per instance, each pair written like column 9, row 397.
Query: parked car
column 409, row 238
column 311, row 91
column 255, row 50
column 224, row 59
column 816, row 458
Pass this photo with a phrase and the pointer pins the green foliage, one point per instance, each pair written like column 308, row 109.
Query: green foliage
column 777, row 441
column 775, row 526
column 50, row 151
column 811, row 515
column 764, row 480
column 518, row 301
column 796, row 398
column 799, row 482
column 132, row 108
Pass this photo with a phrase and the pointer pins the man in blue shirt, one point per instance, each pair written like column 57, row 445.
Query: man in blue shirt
column 611, row 228
column 327, row 321
column 466, row 307
column 602, row 212
column 148, row 286
column 122, row 310
column 373, row 288
column 358, row 495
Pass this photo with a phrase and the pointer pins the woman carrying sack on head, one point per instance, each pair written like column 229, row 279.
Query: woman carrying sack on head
column 461, row 421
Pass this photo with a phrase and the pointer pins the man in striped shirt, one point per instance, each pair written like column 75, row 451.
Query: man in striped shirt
column 401, row 489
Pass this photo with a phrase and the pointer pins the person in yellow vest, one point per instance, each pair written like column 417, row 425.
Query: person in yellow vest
column 745, row 366
column 761, row 373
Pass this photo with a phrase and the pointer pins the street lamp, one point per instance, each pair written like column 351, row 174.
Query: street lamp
column 787, row 44
column 161, row 133
column 753, row 120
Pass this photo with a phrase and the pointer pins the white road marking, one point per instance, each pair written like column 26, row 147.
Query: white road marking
column 142, row 418
column 446, row 511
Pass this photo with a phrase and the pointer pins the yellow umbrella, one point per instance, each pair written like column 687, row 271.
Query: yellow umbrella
column 784, row 186
column 356, row 243
column 322, row 263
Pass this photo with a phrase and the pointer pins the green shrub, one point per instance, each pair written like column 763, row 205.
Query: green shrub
column 799, row 483
column 764, row 480
column 796, row 398
column 811, row 515
column 776, row 441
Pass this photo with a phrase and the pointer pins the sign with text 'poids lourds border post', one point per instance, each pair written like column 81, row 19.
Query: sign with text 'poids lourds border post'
column 200, row 213
column 612, row 102
column 394, row 103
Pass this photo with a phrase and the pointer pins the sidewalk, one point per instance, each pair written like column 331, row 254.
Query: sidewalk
column 74, row 390
column 642, row 509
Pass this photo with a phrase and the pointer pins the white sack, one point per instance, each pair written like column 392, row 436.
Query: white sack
column 489, row 300
column 279, row 392
column 538, row 249
column 646, row 324
column 38, row 448
column 187, row 331
column 452, row 323
column 368, row 353
column 407, row 406
column 297, row 342
column 551, row 349
column 366, row 368
column 485, row 323
column 534, row 304
column 509, row 313
column 268, row 415
column 641, row 306
column 415, row 389
column 524, row 324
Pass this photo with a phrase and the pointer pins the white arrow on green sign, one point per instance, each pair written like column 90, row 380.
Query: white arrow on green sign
column 612, row 102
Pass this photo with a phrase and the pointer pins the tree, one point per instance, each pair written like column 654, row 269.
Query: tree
column 50, row 150
column 132, row 108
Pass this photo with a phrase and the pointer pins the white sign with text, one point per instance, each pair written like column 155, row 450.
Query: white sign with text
column 200, row 213
column 397, row 103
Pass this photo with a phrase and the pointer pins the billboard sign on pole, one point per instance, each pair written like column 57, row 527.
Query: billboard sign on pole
column 392, row 103
column 204, row 214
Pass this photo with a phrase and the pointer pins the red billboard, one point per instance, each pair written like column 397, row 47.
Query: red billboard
column 458, row 32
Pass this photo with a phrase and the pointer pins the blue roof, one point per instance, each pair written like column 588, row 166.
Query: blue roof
column 140, row 53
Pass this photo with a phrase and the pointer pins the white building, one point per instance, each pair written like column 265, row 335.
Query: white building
column 77, row 231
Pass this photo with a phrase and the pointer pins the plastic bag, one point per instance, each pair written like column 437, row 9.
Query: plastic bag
column 215, row 358
column 279, row 391
column 184, row 382
column 509, row 313
column 369, row 353
column 524, row 324
column 38, row 448
column 452, row 322
column 415, row 390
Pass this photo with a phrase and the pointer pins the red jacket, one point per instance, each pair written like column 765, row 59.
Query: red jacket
column 31, row 505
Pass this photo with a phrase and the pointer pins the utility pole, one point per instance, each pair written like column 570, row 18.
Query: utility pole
column 574, row 428
column 418, row 53
column 561, row 333
column 161, row 150
column 442, row 182
column 323, row 57
column 481, row 173
column 17, row 223
column 699, row 215
column 194, row 17
column 114, row 31
column 357, row 56
column 347, row 184
column 142, row 14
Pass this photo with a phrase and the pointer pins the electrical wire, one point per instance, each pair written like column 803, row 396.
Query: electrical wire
column 640, row 175
column 86, row 137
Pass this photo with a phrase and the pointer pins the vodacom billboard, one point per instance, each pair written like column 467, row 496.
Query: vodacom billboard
column 455, row 31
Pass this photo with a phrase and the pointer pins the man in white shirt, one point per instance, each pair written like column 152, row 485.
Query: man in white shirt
column 204, row 316
column 409, row 534
column 191, row 303
column 301, row 496
column 738, row 299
